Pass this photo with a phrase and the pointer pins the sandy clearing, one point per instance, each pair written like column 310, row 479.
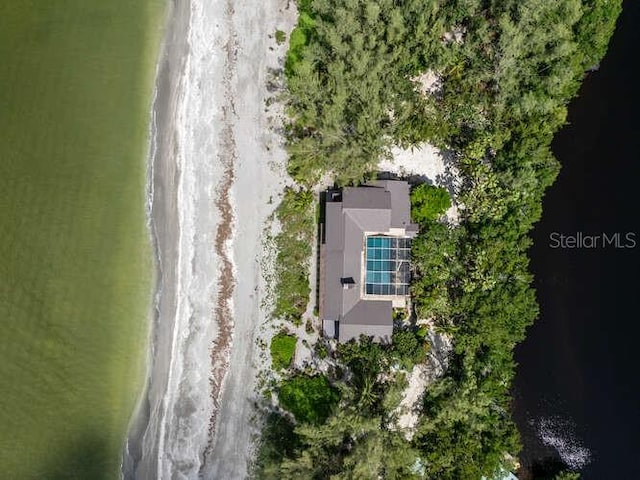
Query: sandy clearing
column 426, row 163
column 427, row 83
column 408, row 409
column 418, row 380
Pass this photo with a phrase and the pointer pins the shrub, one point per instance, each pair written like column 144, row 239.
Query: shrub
column 283, row 346
column 407, row 347
column 298, row 40
column 422, row 332
column 309, row 399
column 281, row 37
column 399, row 314
column 428, row 202
column 321, row 350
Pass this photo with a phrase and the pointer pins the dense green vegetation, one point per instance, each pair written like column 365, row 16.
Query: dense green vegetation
column 278, row 441
column 350, row 439
column 300, row 37
column 408, row 347
column 506, row 82
column 293, row 243
column 428, row 202
column 436, row 266
column 75, row 90
column 283, row 347
column 507, row 70
column 309, row 399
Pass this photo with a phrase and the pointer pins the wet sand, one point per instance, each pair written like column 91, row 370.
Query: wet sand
column 216, row 171
column 163, row 175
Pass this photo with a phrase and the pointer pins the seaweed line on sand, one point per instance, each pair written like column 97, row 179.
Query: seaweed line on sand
column 221, row 346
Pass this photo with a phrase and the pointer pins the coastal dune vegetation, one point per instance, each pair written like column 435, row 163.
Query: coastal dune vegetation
column 506, row 71
column 283, row 348
column 76, row 266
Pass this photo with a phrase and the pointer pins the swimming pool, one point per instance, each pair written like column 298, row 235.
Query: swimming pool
column 387, row 269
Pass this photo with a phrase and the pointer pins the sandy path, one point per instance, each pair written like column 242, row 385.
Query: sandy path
column 217, row 164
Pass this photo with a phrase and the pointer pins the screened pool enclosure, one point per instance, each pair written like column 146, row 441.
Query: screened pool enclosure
column 387, row 271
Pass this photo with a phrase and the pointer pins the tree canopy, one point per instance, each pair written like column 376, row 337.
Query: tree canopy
column 428, row 202
column 309, row 399
column 506, row 71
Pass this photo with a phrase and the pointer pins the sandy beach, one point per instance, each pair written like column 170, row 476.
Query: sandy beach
column 216, row 170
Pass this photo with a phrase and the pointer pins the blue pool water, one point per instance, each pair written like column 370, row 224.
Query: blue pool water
column 387, row 268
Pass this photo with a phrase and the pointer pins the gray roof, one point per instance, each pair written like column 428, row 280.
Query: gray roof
column 366, row 197
column 374, row 208
column 371, row 312
column 382, row 333
column 399, row 195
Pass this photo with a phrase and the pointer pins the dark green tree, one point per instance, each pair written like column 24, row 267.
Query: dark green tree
column 428, row 203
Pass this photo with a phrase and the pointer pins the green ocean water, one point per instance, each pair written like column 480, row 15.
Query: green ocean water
column 76, row 82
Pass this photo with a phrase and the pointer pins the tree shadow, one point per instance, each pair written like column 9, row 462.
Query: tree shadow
column 86, row 458
column 543, row 469
column 450, row 179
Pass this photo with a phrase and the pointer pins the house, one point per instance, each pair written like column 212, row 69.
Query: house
column 364, row 259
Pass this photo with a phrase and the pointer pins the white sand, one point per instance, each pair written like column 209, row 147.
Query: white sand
column 409, row 408
column 421, row 376
column 427, row 83
column 217, row 164
column 260, row 176
column 456, row 34
column 426, row 163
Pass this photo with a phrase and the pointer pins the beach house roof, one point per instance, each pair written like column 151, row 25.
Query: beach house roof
column 364, row 258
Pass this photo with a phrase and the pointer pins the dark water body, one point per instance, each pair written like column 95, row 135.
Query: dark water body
column 578, row 373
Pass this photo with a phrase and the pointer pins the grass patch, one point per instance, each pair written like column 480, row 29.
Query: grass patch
column 299, row 39
column 75, row 91
column 309, row 399
column 283, row 347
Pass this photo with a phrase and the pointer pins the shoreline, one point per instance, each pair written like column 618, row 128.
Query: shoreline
column 143, row 435
column 218, row 170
